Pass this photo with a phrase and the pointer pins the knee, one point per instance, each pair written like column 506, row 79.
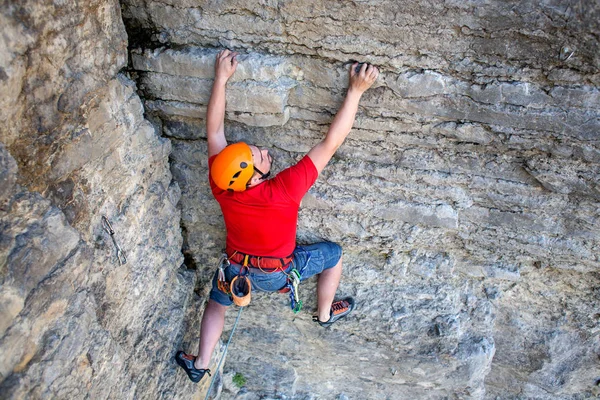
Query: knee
column 337, row 250
column 333, row 256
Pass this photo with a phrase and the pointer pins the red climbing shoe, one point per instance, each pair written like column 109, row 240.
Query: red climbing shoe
column 339, row 309
column 186, row 362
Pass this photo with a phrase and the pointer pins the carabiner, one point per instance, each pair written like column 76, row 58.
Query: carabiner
column 108, row 228
column 120, row 254
column 295, row 302
column 222, row 283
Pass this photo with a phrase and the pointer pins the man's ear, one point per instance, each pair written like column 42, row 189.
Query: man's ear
column 254, row 180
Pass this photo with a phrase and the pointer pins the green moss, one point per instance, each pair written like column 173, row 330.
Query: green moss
column 239, row 380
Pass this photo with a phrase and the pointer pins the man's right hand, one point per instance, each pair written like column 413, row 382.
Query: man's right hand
column 344, row 119
column 225, row 65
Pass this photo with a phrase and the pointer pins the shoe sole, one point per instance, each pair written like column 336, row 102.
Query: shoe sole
column 183, row 365
column 330, row 322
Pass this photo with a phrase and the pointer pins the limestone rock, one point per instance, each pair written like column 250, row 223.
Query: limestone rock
column 179, row 83
column 466, row 197
column 76, row 323
column 471, row 174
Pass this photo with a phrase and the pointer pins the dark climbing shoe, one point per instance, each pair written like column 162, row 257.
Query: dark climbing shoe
column 339, row 309
column 186, row 362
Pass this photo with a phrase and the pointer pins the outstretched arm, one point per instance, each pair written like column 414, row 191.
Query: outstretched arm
column 344, row 119
column 225, row 65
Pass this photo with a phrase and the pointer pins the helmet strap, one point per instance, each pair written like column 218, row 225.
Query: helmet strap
column 262, row 175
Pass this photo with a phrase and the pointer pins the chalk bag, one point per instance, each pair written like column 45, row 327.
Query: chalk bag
column 241, row 290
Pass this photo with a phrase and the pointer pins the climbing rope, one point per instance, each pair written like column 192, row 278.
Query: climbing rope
column 224, row 353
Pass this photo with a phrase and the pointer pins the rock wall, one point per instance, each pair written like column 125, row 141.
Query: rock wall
column 466, row 197
column 74, row 322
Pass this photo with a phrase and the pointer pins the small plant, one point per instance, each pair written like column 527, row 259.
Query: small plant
column 239, row 380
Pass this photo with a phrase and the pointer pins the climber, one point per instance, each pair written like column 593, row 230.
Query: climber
column 261, row 214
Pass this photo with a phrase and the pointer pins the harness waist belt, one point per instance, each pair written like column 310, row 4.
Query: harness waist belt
column 265, row 264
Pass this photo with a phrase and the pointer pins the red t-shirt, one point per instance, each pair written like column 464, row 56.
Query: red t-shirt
column 262, row 220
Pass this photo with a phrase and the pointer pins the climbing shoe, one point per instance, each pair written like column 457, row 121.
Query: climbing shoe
column 186, row 362
column 339, row 309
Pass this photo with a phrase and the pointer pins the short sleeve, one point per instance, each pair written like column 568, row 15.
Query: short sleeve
column 297, row 179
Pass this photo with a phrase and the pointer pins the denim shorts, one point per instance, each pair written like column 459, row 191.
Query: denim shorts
column 309, row 260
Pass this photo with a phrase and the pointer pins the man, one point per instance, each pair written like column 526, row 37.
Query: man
column 261, row 214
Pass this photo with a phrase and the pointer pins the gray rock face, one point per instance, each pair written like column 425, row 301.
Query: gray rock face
column 466, row 197
column 74, row 323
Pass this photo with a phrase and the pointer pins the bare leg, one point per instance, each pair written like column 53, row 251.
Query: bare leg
column 213, row 321
column 326, row 288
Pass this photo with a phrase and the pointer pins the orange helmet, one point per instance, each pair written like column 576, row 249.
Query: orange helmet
column 233, row 167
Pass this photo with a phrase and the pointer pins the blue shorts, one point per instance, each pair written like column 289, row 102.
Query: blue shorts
column 309, row 260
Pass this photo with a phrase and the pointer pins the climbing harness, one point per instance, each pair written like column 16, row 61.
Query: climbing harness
column 108, row 228
column 224, row 353
column 265, row 264
column 240, row 287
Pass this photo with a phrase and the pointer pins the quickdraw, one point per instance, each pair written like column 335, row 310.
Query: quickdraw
column 294, row 279
column 108, row 228
column 240, row 287
column 294, row 285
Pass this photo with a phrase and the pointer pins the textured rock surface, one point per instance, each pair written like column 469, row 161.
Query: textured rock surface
column 74, row 146
column 466, row 197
